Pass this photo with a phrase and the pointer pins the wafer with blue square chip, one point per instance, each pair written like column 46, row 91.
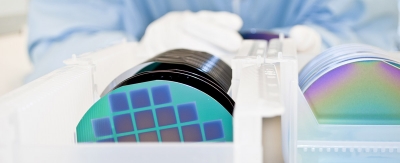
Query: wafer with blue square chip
column 180, row 96
column 169, row 117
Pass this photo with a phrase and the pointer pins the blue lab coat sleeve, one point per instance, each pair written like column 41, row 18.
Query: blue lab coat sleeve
column 339, row 22
column 58, row 29
column 362, row 21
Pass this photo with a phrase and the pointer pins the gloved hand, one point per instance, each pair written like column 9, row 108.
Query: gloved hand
column 212, row 32
column 307, row 39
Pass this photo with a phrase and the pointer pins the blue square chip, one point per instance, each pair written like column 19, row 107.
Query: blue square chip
column 118, row 102
column 187, row 112
column 170, row 135
column 128, row 138
column 144, row 119
column 101, row 127
column 148, row 136
column 192, row 133
column 213, row 130
column 140, row 98
column 161, row 94
column 123, row 123
column 166, row 116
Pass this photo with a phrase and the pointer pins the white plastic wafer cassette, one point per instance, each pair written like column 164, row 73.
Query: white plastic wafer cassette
column 272, row 119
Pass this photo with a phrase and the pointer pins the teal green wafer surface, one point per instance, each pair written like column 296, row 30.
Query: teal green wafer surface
column 156, row 111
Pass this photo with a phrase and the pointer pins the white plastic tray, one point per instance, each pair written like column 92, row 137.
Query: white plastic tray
column 272, row 121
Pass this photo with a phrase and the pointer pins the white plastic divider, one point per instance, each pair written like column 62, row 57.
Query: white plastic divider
column 261, row 79
column 44, row 111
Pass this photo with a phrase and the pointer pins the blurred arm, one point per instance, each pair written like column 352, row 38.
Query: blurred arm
column 58, row 29
column 364, row 21
column 352, row 21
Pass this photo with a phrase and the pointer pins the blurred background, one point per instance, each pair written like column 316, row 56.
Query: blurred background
column 370, row 26
column 14, row 60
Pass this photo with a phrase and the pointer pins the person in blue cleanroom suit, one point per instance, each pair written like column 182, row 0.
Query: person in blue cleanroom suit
column 60, row 28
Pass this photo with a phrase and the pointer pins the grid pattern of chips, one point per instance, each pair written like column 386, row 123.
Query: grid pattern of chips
column 148, row 115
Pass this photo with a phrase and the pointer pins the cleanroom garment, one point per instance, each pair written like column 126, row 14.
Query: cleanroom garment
column 60, row 28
